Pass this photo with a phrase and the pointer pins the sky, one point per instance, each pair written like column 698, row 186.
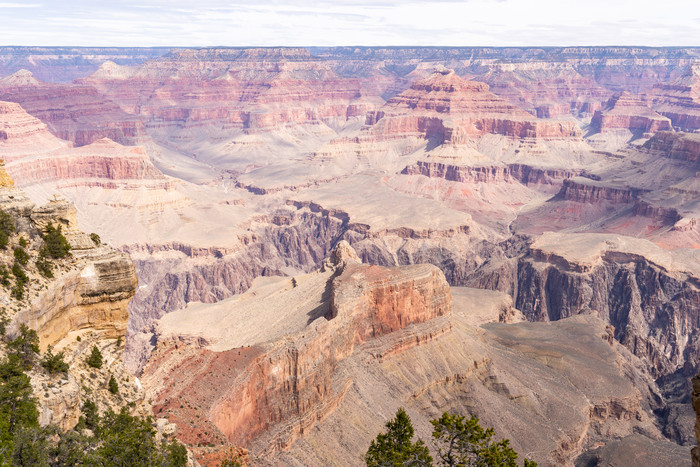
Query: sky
column 203, row 23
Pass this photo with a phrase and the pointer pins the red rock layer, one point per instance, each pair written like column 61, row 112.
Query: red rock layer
column 624, row 111
column 20, row 133
column 679, row 100
column 281, row 389
column 545, row 89
column 489, row 174
column 451, row 109
column 103, row 159
column 252, row 89
column 74, row 113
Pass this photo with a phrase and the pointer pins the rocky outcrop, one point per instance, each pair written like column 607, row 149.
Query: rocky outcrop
column 650, row 296
column 360, row 303
column 491, row 174
column 624, row 111
column 682, row 146
column 74, row 113
column 94, row 296
column 90, row 289
column 583, row 190
column 679, row 100
column 102, row 160
column 448, row 108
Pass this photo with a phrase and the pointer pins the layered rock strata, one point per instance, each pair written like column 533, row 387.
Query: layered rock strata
column 649, row 295
column 449, row 109
column 75, row 113
column 624, row 111
column 91, row 288
column 350, row 304
column 679, row 100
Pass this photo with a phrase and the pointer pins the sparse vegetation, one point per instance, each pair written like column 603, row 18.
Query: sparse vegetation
column 55, row 244
column 24, row 347
column 112, row 385
column 23, row 242
column 45, row 267
column 4, row 276
column 96, row 239
column 95, row 358
column 4, row 321
column 54, row 363
column 7, row 228
column 21, row 256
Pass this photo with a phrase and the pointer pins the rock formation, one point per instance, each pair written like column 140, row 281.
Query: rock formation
column 91, row 289
column 254, row 163
column 83, row 302
column 340, row 340
column 347, row 305
column 679, row 100
column 449, row 108
column 74, row 113
column 624, row 111
column 544, row 89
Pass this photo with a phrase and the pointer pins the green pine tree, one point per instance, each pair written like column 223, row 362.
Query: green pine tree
column 95, row 358
column 395, row 448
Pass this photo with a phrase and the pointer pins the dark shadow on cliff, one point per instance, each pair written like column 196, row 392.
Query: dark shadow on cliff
column 324, row 309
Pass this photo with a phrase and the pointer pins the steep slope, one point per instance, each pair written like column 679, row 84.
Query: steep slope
column 74, row 113
column 82, row 301
column 544, row 89
column 623, row 111
column 347, row 344
column 679, row 100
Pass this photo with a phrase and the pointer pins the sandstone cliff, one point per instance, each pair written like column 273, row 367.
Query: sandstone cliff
column 344, row 346
column 83, row 302
column 90, row 289
column 74, row 113
column 282, row 379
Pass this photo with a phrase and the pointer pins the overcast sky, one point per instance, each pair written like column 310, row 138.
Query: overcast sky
column 346, row 22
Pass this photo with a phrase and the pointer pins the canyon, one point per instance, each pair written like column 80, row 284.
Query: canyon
column 324, row 235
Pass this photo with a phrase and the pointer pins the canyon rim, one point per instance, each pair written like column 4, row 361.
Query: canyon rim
column 260, row 253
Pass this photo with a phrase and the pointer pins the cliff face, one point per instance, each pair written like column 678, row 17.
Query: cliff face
column 682, row 146
column 494, row 174
column 679, row 100
column 346, row 345
column 652, row 305
column 624, row 111
column 450, row 109
column 83, row 302
column 583, row 190
column 75, row 113
column 287, row 380
column 91, row 288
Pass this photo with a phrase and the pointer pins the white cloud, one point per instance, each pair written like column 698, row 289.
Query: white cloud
column 20, row 5
column 348, row 22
